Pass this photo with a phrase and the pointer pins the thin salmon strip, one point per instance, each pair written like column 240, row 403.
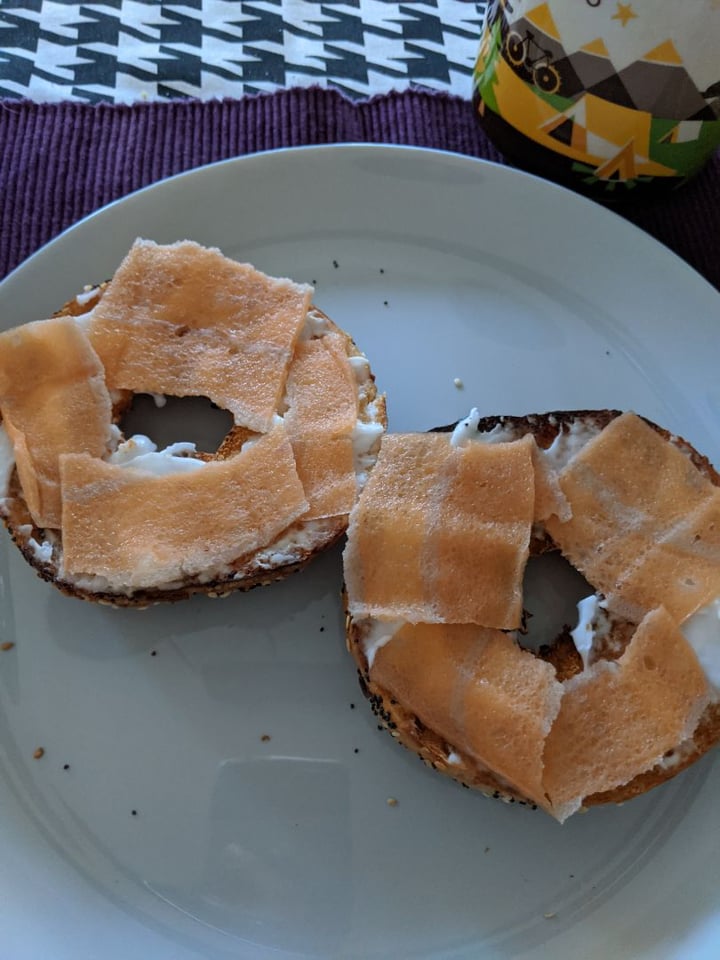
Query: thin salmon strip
column 184, row 320
column 682, row 566
column 139, row 530
column 478, row 690
column 326, row 469
column 641, row 514
column 618, row 718
column 322, row 396
column 322, row 411
column 441, row 533
column 53, row 400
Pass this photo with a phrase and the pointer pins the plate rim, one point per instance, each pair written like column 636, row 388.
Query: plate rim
column 500, row 169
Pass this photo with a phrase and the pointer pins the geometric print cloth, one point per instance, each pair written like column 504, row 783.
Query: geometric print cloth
column 124, row 51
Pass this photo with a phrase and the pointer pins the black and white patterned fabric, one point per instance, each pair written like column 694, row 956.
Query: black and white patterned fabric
column 122, row 51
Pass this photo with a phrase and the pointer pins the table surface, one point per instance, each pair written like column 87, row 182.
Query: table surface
column 123, row 51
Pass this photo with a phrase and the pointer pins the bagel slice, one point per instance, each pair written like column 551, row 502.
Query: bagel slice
column 609, row 706
column 110, row 518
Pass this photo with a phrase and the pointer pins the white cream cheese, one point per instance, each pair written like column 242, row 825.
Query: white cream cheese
column 7, row 461
column 678, row 755
column 702, row 632
column 499, row 434
column 568, row 444
column 366, row 439
column 316, row 325
column 140, row 453
column 467, row 431
column 593, row 621
column 360, row 366
column 571, row 439
column 43, row 552
column 376, row 635
column 87, row 295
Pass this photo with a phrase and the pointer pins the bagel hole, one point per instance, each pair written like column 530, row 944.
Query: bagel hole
column 552, row 588
column 179, row 419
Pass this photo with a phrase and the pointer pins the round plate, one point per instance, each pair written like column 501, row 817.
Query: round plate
column 213, row 784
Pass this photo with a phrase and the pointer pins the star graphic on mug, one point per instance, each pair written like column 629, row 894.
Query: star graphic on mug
column 624, row 13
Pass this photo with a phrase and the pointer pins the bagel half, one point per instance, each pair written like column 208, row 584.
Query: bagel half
column 416, row 665
column 300, row 451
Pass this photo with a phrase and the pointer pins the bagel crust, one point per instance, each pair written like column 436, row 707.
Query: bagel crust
column 314, row 467
column 409, row 701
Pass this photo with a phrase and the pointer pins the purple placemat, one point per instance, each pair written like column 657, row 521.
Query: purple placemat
column 59, row 162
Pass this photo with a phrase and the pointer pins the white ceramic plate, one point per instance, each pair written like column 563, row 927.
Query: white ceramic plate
column 441, row 267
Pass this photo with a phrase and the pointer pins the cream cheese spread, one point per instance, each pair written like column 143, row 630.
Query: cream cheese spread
column 593, row 621
column 140, row 453
column 376, row 635
column 316, row 325
column 466, row 431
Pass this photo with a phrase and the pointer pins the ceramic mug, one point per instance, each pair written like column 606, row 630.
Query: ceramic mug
column 605, row 96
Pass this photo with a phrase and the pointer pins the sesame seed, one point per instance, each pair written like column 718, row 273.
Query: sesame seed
column 391, row 802
column 549, row 916
column 8, row 645
column 40, row 752
column 265, row 737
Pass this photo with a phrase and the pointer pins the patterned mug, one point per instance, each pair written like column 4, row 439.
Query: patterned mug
column 602, row 95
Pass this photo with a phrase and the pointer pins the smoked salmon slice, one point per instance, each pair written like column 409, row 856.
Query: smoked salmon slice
column 619, row 717
column 645, row 524
column 322, row 411
column 184, row 320
column 479, row 690
column 441, row 533
column 53, row 400
column 138, row 529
